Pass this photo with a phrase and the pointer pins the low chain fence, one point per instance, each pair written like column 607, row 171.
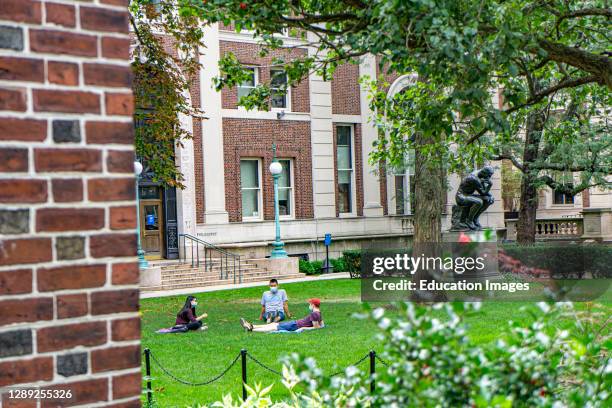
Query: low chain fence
column 243, row 356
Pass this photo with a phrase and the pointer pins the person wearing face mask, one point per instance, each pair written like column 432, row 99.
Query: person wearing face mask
column 314, row 320
column 187, row 316
column 274, row 304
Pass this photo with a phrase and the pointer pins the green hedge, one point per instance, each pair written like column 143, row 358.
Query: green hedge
column 352, row 261
column 565, row 260
column 314, row 267
column 310, row 267
column 594, row 259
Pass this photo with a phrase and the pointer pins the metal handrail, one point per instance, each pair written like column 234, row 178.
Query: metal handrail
column 224, row 257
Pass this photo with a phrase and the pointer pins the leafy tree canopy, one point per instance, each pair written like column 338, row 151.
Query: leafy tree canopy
column 462, row 49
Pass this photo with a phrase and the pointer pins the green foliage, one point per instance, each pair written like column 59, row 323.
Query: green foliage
column 565, row 261
column 314, row 267
column 461, row 49
column 161, row 84
column 310, row 267
column 338, row 264
column 352, row 260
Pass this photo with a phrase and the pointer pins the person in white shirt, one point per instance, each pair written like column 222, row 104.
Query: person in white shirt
column 274, row 304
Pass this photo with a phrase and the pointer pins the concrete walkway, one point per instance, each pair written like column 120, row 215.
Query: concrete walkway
column 230, row 286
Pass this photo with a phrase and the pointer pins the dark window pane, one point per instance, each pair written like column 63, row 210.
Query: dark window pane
column 344, row 197
column 149, row 192
column 400, row 197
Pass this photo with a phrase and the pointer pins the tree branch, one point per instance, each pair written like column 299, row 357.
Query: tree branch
column 568, row 83
column 513, row 159
column 600, row 66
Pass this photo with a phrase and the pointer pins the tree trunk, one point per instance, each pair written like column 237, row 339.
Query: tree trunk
column 429, row 190
column 526, row 225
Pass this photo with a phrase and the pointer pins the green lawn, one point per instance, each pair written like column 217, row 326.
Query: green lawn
column 198, row 356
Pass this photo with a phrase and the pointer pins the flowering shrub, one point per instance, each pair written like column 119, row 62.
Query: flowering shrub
column 433, row 363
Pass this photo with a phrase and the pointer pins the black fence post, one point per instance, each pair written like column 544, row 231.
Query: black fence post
column 372, row 370
column 148, row 368
column 243, row 353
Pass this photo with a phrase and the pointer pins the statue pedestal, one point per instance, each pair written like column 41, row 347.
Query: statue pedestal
column 474, row 236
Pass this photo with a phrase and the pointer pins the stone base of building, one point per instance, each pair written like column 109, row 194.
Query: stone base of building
column 151, row 278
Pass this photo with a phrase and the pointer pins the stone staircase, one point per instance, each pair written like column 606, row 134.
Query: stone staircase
column 176, row 275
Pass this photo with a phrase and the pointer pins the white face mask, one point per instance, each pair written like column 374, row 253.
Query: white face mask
column 194, row 303
column 273, row 289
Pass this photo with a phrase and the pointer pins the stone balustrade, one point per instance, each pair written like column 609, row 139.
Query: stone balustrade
column 591, row 224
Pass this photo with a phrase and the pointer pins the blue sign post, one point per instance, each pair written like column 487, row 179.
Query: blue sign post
column 327, row 241
column 327, row 268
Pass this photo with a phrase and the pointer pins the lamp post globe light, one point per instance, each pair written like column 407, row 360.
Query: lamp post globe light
column 278, row 247
column 142, row 262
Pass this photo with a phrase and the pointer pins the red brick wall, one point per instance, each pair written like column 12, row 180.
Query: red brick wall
column 586, row 199
column 68, row 277
column 345, row 90
column 254, row 138
column 358, row 169
column 248, row 54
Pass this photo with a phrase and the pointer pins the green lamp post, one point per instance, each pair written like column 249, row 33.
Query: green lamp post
column 278, row 247
column 142, row 262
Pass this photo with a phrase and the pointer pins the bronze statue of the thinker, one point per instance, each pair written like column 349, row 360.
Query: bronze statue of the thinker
column 473, row 198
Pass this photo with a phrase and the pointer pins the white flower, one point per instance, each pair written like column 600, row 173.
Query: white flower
column 544, row 307
column 384, row 323
column 543, row 338
column 397, row 334
column 351, row 371
column 378, row 313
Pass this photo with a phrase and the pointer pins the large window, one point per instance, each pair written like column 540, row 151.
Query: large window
column 278, row 86
column 344, row 158
column 247, row 86
column 250, row 183
column 285, row 189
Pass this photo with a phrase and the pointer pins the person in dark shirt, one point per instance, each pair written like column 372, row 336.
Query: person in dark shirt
column 187, row 316
column 314, row 320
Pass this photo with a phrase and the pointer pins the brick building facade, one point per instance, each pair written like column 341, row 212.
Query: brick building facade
column 68, row 277
column 333, row 187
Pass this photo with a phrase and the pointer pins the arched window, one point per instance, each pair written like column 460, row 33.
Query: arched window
column 400, row 180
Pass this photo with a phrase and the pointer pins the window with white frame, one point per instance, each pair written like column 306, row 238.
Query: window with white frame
column 285, row 189
column 403, row 185
column 344, row 160
column 247, row 86
column 250, row 184
column 279, row 90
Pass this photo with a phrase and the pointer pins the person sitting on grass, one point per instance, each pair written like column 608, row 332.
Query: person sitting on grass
column 314, row 320
column 274, row 304
column 187, row 316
